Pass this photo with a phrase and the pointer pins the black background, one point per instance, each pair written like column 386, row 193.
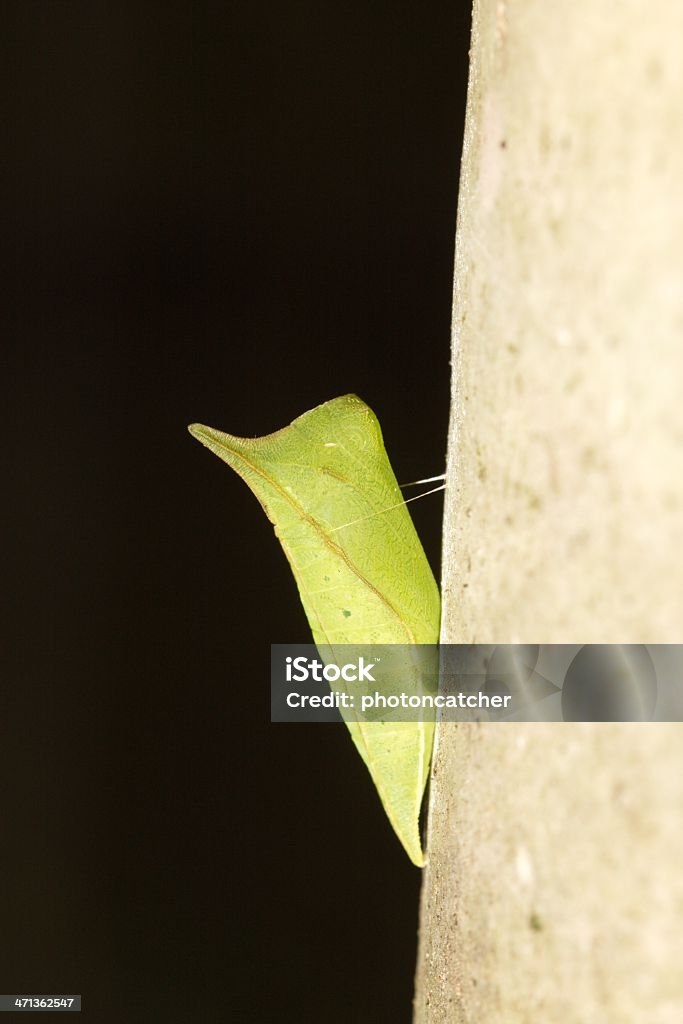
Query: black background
column 225, row 213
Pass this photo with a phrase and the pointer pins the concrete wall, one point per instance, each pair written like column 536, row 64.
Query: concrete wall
column 554, row 891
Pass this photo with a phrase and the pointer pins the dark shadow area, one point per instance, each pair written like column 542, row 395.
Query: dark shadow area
column 227, row 214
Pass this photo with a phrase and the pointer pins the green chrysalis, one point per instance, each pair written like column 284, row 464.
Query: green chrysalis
column 326, row 484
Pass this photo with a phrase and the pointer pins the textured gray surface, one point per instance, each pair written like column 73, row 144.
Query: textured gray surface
column 554, row 891
column 566, row 451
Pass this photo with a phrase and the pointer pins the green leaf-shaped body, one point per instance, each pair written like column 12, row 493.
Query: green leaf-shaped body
column 326, row 484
